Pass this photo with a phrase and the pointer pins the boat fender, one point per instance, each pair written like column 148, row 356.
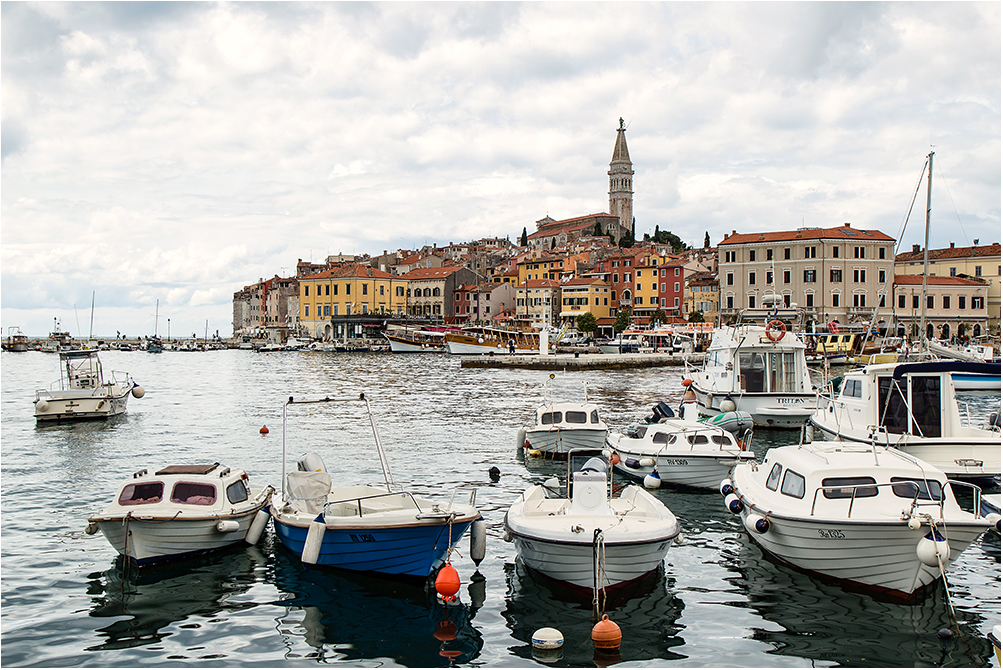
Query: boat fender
column 914, row 523
column 138, row 391
column 757, row 524
column 652, row 480
column 100, row 404
column 614, row 458
column 534, row 453
column 227, row 526
column 933, row 550
column 520, row 439
column 741, row 444
column 732, row 502
column 631, row 463
column 726, row 487
column 708, row 402
column 728, row 405
column 257, row 527
column 42, row 406
column 646, row 462
column 447, row 583
column 548, row 638
column 91, row 528
column 313, row 542
column 478, row 540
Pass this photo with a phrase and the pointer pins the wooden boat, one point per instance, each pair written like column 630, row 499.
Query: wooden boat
column 382, row 529
column 488, row 340
column 416, row 341
column 181, row 511
column 16, row 340
column 82, row 391
column 868, row 516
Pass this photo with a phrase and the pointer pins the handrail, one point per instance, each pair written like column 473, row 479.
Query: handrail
column 359, row 499
column 976, row 491
column 853, row 495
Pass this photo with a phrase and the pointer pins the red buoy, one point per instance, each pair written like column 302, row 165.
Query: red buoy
column 606, row 634
column 447, row 583
column 264, row 430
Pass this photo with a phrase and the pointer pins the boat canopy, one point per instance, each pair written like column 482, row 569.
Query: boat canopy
column 946, row 366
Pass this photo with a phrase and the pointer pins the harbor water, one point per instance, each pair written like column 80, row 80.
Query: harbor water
column 67, row 601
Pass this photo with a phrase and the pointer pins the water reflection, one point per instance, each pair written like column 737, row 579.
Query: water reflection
column 146, row 602
column 346, row 616
column 825, row 622
column 646, row 612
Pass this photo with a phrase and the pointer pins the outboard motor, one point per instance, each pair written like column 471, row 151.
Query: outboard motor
column 311, row 462
column 994, row 420
column 588, row 496
column 659, row 412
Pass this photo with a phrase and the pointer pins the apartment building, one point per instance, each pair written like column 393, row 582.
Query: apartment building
column 327, row 297
column 950, row 302
column 585, row 294
column 537, row 302
column 430, row 290
column 701, row 295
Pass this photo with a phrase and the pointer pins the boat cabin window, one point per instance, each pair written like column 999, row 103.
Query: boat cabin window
column 697, row 439
column 550, row 417
column 782, row 379
column 142, row 494
column 193, row 493
column 724, row 440
column 894, row 404
column 774, row 479
column 237, row 491
column 752, row 369
column 852, row 388
column 594, row 417
column 576, row 417
column 660, row 438
column 929, row 489
column 926, row 406
column 793, row 485
column 846, row 486
column 893, row 413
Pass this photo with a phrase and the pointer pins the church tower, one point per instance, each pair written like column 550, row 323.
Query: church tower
column 621, row 178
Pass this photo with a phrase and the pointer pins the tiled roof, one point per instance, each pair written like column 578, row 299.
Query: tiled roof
column 431, row 273
column 917, row 280
column 840, row 233
column 951, row 252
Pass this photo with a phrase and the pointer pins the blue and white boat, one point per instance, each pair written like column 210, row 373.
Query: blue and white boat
column 382, row 529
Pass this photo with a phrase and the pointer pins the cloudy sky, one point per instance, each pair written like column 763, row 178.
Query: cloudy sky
column 179, row 151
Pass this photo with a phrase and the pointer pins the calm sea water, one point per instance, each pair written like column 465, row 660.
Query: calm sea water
column 718, row 602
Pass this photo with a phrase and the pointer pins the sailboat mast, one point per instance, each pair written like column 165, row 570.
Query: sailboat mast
column 926, row 249
column 90, row 336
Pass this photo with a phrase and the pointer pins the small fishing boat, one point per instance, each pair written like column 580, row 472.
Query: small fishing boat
column 590, row 540
column 912, row 407
column 16, row 340
column 563, row 426
column 872, row 517
column 181, row 511
column 680, row 450
column 383, row 529
column 82, row 392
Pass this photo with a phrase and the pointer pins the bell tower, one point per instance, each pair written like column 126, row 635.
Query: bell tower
column 621, row 181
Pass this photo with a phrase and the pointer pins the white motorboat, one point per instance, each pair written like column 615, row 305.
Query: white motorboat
column 626, row 342
column 912, row 407
column 383, row 529
column 679, row 450
column 181, row 511
column 867, row 516
column 562, row 426
column 82, row 392
column 760, row 368
column 589, row 540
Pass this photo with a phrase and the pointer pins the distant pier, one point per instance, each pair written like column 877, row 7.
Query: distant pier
column 579, row 361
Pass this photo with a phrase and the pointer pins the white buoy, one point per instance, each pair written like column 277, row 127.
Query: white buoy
column 478, row 540
column 227, row 526
column 313, row 542
column 732, row 502
column 257, row 527
column 728, row 405
column 930, row 549
column 138, row 392
column 652, row 480
column 914, row 523
column 548, row 638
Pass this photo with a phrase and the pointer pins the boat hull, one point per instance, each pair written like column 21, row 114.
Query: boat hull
column 768, row 410
column 402, row 345
column 563, row 440
column 701, row 471
column 82, row 405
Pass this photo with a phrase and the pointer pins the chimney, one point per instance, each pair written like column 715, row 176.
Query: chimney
column 975, row 242
column 915, row 248
column 846, row 225
column 952, row 245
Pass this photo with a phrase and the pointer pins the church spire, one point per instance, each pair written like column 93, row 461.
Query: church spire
column 621, row 178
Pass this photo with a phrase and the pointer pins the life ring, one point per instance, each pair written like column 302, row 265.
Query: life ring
column 775, row 330
column 741, row 445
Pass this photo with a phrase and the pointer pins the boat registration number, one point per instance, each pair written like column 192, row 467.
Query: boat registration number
column 831, row 534
column 361, row 537
column 676, row 461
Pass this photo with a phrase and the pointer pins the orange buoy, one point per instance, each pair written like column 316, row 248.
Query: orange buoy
column 450, row 653
column 264, row 430
column 447, row 583
column 614, row 458
column 606, row 634
column 687, row 382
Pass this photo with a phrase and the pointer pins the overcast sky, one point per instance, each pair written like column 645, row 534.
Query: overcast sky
column 177, row 152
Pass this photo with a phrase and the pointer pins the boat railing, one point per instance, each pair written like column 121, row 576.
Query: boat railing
column 471, row 497
column 976, row 493
column 357, row 501
column 871, row 490
column 963, row 414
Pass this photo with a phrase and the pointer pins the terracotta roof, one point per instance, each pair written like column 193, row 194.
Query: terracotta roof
column 431, row 273
column 917, row 280
column 840, row 233
column 541, row 283
column 584, row 281
column 951, row 252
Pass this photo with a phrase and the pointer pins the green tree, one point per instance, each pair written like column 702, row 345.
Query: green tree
column 622, row 321
column 658, row 315
column 524, row 240
column 695, row 317
column 587, row 323
column 706, row 240
column 598, row 230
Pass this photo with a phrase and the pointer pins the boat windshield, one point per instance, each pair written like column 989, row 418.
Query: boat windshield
column 548, row 418
column 894, row 405
column 145, row 493
column 576, row 417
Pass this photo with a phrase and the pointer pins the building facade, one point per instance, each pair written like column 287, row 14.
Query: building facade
column 430, row 290
column 952, row 304
column 327, row 297
column 585, row 294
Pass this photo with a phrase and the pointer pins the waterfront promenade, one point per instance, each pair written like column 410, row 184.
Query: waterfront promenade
column 576, row 361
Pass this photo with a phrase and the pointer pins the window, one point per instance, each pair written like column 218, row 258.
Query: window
column 787, row 299
column 848, row 487
column 675, row 287
column 809, row 276
column 787, row 276
column 881, row 300
column 929, row 302
column 730, row 256
column 306, row 310
column 906, row 487
column 237, row 491
column 835, row 252
column 978, row 270
column 306, row 290
column 142, row 494
column 858, row 300
column 774, row 479
column 576, row 417
column 327, row 289
column 953, row 272
column 548, row 418
column 787, row 254
column 881, row 276
column 793, row 485
column 752, row 301
column 835, row 275
column 381, row 289
column 348, row 290
column 676, row 272
column 769, row 277
column 915, row 302
column 193, row 493
column 594, row 417
column 947, row 302
column 365, row 289
column 327, row 310
column 809, row 299
column 835, row 300
column 961, row 302
column 769, row 254
column 859, row 276
column 335, row 289
column 731, row 302
column 752, row 277
column 852, row 388
column 731, row 279
column 978, row 302
column 663, row 287
column 901, row 301
column 752, row 255
column 881, row 252
column 809, row 252
column 616, row 278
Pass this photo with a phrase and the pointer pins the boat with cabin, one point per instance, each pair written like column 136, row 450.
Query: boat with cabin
column 912, row 407
column 182, row 511
column 16, row 340
column 561, row 426
column 870, row 517
column 417, row 341
column 473, row 340
column 758, row 365
column 364, row 528
column 82, row 392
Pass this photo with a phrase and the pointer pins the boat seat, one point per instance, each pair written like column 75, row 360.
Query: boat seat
column 548, row 507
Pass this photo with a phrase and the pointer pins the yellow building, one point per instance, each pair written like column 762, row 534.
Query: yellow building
column 539, row 265
column 586, row 294
column 536, row 302
column 354, row 289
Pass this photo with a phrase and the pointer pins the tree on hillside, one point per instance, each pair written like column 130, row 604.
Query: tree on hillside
column 706, row 240
column 587, row 323
column 622, row 321
column 524, row 240
column 666, row 237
